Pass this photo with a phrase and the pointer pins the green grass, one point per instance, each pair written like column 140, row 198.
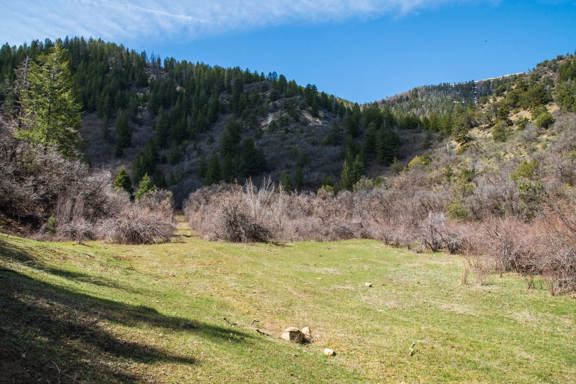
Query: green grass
column 187, row 311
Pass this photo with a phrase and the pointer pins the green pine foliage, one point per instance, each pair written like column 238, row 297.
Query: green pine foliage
column 352, row 171
column 285, row 182
column 213, row 171
column 123, row 132
column 200, row 110
column 122, row 181
column 144, row 186
column 186, row 100
column 544, row 120
column 565, row 93
column 50, row 114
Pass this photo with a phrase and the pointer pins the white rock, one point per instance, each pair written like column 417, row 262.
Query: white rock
column 293, row 334
column 307, row 332
column 329, row 352
column 368, row 285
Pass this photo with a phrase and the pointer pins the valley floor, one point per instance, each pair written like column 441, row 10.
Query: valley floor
column 187, row 312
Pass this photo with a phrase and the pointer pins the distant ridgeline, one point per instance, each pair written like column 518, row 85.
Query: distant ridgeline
column 188, row 125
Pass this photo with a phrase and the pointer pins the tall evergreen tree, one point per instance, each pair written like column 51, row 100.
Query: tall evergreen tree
column 50, row 114
column 213, row 171
column 123, row 132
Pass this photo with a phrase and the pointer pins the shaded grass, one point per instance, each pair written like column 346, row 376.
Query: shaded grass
column 187, row 312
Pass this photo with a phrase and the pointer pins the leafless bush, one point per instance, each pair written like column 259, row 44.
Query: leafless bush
column 512, row 244
column 77, row 230
column 38, row 186
column 249, row 213
column 137, row 225
column 306, row 216
column 32, row 178
column 482, row 267
column 558, row 242
column 237, row 226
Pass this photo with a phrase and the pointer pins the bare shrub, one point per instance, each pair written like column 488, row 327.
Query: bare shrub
column 307, row 216
column 557, row 240
column 237, row 226
column 78, row 230
column 57, row 198
column 482, row 267
column 137, row 225
column 511, row 243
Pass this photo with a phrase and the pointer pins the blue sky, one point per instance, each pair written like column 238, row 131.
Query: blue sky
column 360, row 50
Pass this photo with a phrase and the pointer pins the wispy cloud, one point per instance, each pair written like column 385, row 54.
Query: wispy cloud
column 32, row 19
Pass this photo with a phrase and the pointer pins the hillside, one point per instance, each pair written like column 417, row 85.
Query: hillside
column 189, row 124
column 189, row 310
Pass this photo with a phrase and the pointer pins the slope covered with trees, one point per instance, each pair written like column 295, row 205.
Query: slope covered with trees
column 189, row 124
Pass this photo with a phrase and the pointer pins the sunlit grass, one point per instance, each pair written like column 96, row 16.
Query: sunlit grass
column 198, row 305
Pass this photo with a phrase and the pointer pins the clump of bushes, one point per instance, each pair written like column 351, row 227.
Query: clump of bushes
column 45, row 194
column 237, row 226
column 500, row 131
column 544, row 120
column 516, row 218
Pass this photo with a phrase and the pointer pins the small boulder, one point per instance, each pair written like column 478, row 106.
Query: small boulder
column 368, row 285
column 293, row 334
column 307, row 332
column 329, row 352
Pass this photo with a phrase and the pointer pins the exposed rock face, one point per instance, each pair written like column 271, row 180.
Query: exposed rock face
column 293, row 335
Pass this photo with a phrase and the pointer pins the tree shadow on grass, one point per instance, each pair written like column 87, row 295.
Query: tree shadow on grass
column 15, row 254
column 53, row 334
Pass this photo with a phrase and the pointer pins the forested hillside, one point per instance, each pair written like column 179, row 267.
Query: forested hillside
column 189, row 124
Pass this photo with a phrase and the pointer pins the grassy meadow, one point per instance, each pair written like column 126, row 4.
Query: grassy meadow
column 193, row 311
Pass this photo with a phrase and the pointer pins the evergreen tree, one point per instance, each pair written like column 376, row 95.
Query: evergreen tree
column 229, row 168
column 352, row 171
column 252, row 160
column 387, row 143
column 230, row 139
column 144, row 187
column 357, row 168
column 285, row 181
column 50, row 112
column 123, row 132
column 122, row 181
column 347, row 177
column 213, row 171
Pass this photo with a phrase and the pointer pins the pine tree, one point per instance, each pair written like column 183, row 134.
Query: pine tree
column 352, row 171
column 229, row 168
column 285, row 181
column 144, row 187
column 252, row 160
column 230, row 139
column 387, row 143
column 213, row 171
column 123, row 132
column 50, row 113
column 122, row 181
column 346, row 177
